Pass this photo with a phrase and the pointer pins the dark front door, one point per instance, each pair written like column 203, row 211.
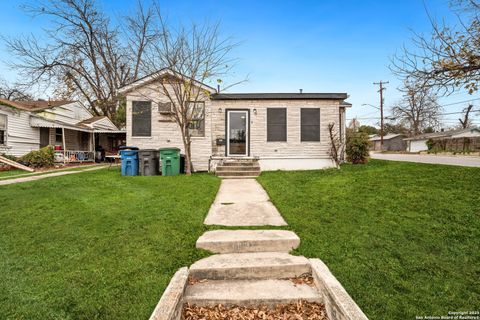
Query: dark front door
column 237, row 133
column 44, row 137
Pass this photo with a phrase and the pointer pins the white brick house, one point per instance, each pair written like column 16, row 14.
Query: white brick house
column 287, row 131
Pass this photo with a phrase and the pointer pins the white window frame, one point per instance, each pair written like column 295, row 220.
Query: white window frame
column 204, row 120
column 5, row 130
column 247, row 133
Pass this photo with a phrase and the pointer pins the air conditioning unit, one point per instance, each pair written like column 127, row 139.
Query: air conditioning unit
column 165, row 107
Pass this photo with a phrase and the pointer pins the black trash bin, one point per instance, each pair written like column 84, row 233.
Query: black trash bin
column 182, row 164
column 148, row 162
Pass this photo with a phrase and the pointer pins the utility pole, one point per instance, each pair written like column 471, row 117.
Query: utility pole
column 381, row 83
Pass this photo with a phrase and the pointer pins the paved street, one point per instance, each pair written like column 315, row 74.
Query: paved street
column 466, row 161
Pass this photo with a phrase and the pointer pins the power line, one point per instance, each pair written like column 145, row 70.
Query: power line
column 459, row 102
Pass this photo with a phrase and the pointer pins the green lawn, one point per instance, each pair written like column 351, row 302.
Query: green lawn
column 97, row 245
column 13, row 174
column 9, row 173
column 403, row 238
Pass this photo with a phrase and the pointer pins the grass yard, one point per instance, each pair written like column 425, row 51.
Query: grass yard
column 9, row 173
column 403, row 238
column 96, row 245
column 13, row 174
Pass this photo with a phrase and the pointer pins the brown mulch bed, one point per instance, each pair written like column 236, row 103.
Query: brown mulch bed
column 303, row 279
column 301, row 310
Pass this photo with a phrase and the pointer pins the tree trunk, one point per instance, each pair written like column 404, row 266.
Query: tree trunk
column 187, row 148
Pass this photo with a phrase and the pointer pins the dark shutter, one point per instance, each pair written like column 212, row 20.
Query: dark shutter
column 141, row 118
column 276, row 124
column 310, row 124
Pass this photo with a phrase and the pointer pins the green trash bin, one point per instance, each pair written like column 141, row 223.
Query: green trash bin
column 170, row 161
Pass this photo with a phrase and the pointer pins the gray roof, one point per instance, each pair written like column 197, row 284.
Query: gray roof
column 385, row 137
column 442, row 134
column 279, row 96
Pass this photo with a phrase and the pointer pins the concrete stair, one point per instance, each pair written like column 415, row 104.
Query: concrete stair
column 238, row 168
column 241, row 241
column 250, row 266
column 249, row 293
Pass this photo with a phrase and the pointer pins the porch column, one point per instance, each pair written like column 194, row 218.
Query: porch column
column 63, row 143
column 93, row 145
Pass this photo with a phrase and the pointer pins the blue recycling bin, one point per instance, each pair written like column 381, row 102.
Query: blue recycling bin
column 129, row 156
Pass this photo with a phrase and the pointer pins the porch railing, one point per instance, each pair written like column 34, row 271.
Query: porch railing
column 68, row 156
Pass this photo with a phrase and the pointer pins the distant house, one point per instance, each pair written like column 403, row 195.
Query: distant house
column 452, row 140
column 391, row 142
column 66, row 125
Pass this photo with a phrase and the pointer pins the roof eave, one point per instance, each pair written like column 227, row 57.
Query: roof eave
column 152, row 77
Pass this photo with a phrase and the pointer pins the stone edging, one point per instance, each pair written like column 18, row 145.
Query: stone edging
column 170, row 307
column 338, row 303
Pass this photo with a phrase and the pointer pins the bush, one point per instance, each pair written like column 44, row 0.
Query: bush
column 357, row 148
column 430, row 144
column 9, row 157
column 39, row 158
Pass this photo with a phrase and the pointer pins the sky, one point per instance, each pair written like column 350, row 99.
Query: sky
column 284, row 46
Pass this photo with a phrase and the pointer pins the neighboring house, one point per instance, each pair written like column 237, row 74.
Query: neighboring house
column 66, row 125
column 281, row 130
column 453, row 139
column 391, row 142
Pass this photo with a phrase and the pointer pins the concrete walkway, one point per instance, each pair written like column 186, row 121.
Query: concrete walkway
column 46, row 175
column 465, row 161
column 243, row 202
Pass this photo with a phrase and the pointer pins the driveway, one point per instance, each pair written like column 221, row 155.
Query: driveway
column 465, row 161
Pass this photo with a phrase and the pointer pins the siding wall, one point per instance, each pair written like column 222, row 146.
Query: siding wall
column 293, row 148
column 70, row 113
column 21, row 138
column 307, row 155
column 165, row 132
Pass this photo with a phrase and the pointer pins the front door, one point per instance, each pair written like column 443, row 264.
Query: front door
column 237, row 133
column 44, row 137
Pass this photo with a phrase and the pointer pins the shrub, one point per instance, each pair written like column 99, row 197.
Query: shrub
column 10, row 157
column 357, row 147
column 39, row 158
column 430, row 144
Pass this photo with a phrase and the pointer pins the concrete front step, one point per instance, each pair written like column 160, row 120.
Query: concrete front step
column 232, row 173
column 239, row 163
column 252, row 265
column 239, row 241
column 249, row 293
column 238, row 177
column 238, row 168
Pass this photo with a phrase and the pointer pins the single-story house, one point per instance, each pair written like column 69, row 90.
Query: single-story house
column 391, row 142
column 66, row 125
column 286, row 131
column 452, row 137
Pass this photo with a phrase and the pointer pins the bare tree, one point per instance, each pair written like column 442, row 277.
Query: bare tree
column 85, row 57
column 13, row 92
column 449, row 58
column 466, row 121
column 336, row 144
column 192, row 56
column 418, row 109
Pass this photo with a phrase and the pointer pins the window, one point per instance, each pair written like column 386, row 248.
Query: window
column 58, row 136
column 165, row 107
column 276, row 124
column 141, row 118
column 310, row 124
column 3, row 129
column 197, row 123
